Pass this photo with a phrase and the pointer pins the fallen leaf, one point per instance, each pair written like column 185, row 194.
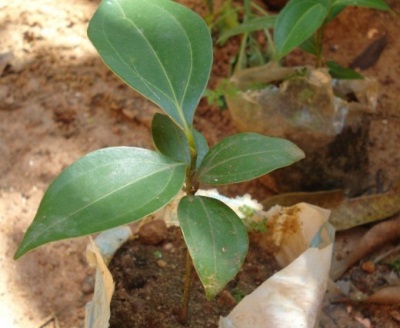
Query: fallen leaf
column 386, row 295
column 371, row 54
column 325, row 199
column 346, row 213
column 377, row 236
column 361, row 210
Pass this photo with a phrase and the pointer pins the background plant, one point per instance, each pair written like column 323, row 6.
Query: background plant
column 301, row 23
column 164, row 51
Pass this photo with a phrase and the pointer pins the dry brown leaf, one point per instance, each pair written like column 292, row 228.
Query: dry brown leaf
column 377, row 236
column 386, row 295
column 361, row 210
column 325, row 199
column 346, row 213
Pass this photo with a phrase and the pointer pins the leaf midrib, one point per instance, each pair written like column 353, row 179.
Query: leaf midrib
column 294, row 28
column 178, row 103
column 61, row 220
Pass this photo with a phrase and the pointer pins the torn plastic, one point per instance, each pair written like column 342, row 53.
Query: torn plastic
column 303, row 241
column 298, row 100
column 98, row 255
column 328, row 119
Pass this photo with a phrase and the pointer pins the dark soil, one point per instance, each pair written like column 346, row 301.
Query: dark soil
column 149, row 280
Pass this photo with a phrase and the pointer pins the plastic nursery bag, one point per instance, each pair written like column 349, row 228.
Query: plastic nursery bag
column 292, row 297
column 302, row 104
column 327, row 118
column 99, row 254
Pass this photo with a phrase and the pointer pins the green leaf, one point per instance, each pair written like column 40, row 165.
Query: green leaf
column 104, row 189
column 158, row 47
column 340, row 72
column 252, row 25
column 309, row 46
column 171, row 141
column 335, row 11
column 246, row 156
column 201, row 146
column 374, row 4
column 216, row 239
column 298, row 20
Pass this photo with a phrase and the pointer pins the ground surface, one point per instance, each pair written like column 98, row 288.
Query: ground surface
column 58, row 102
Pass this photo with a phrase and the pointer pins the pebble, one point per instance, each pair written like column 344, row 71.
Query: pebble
column 88, row 285
column 169, row 247
column 153, row 232
column 161, row 263
column 368, row 267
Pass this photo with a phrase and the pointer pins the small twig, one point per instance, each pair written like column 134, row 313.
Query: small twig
column 52, row 318
column 387, row 254
column 186, row 289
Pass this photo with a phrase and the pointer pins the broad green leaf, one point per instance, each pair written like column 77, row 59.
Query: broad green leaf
column 298, row 20
column 309, row 46
column 340, row 72
column 169, row 138
column 374, row 4
column 216, row 239
column 246, row 156
column 252, row 25
column 335, row 11
column 102, row 190
column 201, row 145
column 171, row 141
column 158, row 47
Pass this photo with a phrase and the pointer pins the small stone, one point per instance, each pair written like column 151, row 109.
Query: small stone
column 161, row 263
column 153, row 233
column 368, row 267
column 169, row 247
column 88, row 285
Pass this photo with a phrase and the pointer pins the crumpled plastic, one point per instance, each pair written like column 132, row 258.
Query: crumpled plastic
column 303, row 242
column 302, row 104
column 98, row 254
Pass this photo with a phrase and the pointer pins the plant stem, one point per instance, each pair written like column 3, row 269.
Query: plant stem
column 191, row 187
column 186, row 289
column 318, row 41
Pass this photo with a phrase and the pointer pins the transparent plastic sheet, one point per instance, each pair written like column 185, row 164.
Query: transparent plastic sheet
column 328, row 119
column 98, row 254
column 303, row 243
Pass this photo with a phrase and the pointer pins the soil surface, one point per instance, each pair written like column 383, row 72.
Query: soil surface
column 58, row 102
column 149, row 293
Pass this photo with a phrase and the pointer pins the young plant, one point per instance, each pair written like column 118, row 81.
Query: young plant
column 164, row 51
column 301, row 23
